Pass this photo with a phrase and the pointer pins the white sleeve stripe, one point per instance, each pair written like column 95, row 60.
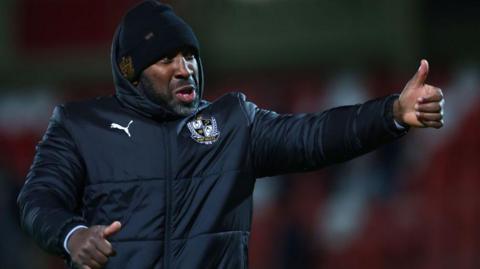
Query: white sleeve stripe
column 69, row 234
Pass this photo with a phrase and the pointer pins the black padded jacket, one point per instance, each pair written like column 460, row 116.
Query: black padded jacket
column 181, row 187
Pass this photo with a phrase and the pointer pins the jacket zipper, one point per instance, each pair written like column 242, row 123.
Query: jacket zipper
column 168, row 200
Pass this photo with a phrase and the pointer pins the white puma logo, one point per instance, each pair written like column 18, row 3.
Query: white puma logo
column 125, row 129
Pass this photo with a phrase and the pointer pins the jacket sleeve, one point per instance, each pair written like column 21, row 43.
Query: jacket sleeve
column 304, row 142
column 49, row 200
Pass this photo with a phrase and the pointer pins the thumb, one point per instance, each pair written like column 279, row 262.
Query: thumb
column 422, row 73
column 112, row 229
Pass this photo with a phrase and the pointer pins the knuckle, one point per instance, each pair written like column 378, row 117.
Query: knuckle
column 91, row 241
column 80, row 259
column 87, row 245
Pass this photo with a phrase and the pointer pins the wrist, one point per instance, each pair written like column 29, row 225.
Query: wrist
column 69, row 236
column 397, row 113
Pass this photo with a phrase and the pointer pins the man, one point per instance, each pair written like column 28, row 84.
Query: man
column 156, row 177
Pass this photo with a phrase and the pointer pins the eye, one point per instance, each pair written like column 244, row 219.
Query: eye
column 188, row 53
column 166, row 60
column 189, row 56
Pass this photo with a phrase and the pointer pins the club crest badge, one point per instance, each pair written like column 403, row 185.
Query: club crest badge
column 126, row 67
column 204, row 130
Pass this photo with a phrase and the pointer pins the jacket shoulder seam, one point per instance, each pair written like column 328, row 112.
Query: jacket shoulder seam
column 244, row 111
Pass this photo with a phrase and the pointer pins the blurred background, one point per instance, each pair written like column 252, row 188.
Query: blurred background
column 412, row 204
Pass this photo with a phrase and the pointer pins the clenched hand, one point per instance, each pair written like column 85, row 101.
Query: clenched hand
column 89, row 248
column 420, row 105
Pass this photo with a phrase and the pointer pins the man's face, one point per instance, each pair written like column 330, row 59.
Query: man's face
column 173, row 83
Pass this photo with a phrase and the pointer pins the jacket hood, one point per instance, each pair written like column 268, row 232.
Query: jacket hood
column 135, row 99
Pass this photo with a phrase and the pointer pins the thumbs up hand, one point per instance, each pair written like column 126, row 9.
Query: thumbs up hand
column 89, row 247
column 420, row 105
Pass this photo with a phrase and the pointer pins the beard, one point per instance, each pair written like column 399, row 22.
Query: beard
column 167, row 99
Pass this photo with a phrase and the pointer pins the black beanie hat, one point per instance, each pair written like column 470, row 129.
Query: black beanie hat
column 148, row 32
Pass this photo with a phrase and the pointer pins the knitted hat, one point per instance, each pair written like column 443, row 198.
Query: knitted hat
column 149, row 32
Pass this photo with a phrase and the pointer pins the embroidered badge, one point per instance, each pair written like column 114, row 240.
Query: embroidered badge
column 204, row 130
column 126, row 67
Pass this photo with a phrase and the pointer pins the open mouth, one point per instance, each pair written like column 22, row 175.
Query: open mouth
column 185, row 94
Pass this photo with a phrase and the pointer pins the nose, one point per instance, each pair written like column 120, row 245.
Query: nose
column 184, row 68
